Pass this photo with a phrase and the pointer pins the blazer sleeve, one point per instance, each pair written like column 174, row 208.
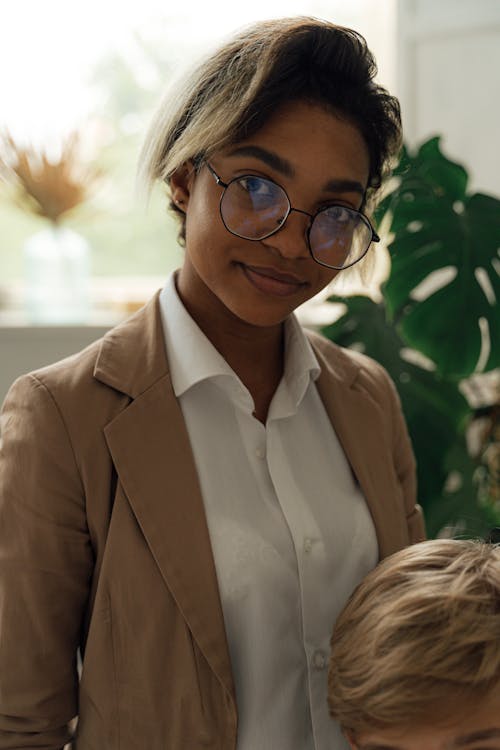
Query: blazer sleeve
column 404, row 462
column 45, row 570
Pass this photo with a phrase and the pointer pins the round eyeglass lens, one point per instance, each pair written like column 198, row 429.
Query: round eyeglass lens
column 339, row 236
column 253, row 207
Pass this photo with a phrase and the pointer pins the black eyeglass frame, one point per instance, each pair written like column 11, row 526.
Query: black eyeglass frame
column 365, row 219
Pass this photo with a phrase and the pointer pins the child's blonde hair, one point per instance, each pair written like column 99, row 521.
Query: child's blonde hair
column 419, row 638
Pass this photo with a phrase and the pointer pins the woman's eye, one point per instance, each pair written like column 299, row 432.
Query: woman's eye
column 257, row 187
column 340, row 214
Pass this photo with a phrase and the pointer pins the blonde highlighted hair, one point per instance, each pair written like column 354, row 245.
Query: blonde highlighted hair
column 232, row 93
column 419, row 638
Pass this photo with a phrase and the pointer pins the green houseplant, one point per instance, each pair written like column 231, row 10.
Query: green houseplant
column 435, row 328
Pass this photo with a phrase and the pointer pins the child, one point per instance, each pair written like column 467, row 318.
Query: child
column 415, row 661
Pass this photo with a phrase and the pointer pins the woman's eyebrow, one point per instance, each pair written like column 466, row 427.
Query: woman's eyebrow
column 268, row 157
column 344, row 186
column 283, row 166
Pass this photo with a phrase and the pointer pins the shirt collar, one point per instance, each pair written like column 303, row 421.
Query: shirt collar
column 193, row 358
column 301, row 368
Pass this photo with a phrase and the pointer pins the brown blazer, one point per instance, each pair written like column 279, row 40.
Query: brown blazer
column 104, row 544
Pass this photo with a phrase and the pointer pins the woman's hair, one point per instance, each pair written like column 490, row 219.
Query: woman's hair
column 419, row 639
column 233, row 93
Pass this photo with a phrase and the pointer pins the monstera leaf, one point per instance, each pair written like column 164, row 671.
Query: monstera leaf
column 458, row 508
column 439, row 298
column 439, row 230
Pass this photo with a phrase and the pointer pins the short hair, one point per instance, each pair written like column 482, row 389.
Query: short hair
column 419, row 639
column 234, row 92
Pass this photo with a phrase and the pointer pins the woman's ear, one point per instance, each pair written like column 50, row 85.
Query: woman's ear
column 350, row 739
column 181, row 182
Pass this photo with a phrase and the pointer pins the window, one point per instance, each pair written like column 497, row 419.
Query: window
column 100, row 68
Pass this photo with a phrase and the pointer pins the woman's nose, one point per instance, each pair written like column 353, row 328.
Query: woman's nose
column 290, row 240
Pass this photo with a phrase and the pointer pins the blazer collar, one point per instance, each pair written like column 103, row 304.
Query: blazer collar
column 132, row 356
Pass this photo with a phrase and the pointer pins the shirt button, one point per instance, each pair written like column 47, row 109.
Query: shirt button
column 319, row 660
column 260, row 453
column 308, row 545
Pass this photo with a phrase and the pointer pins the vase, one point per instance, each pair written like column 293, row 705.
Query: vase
column 57, row 272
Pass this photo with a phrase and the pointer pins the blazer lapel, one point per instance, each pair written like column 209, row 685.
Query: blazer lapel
column 358, row 422
column 151, row 451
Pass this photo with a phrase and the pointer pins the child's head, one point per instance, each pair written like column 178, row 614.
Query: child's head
column 415, row 657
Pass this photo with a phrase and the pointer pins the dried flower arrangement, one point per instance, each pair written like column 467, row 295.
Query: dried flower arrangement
column 48, row 187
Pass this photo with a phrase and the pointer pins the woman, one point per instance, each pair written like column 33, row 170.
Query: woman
column 190, row 501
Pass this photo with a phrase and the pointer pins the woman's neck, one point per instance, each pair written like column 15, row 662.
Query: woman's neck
column 254, row 353
column 257, row 360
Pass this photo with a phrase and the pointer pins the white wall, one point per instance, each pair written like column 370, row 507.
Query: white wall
column 448, row 81
column 26, row 348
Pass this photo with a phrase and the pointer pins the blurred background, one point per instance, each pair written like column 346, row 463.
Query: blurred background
column 78, row 249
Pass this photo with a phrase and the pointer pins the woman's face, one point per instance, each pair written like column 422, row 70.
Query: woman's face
column 318, row 159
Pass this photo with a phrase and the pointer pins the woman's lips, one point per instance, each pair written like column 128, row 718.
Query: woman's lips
column 270, row 281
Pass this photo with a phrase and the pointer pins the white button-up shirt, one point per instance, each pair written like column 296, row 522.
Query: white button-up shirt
column 290, row 530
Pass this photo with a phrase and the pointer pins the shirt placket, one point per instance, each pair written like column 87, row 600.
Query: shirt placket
column 309, row 550
column 261, row 444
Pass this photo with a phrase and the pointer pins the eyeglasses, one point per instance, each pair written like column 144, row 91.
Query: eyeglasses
column 254, row 208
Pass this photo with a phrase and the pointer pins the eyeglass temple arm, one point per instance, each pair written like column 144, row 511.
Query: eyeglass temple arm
column 216, row 177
